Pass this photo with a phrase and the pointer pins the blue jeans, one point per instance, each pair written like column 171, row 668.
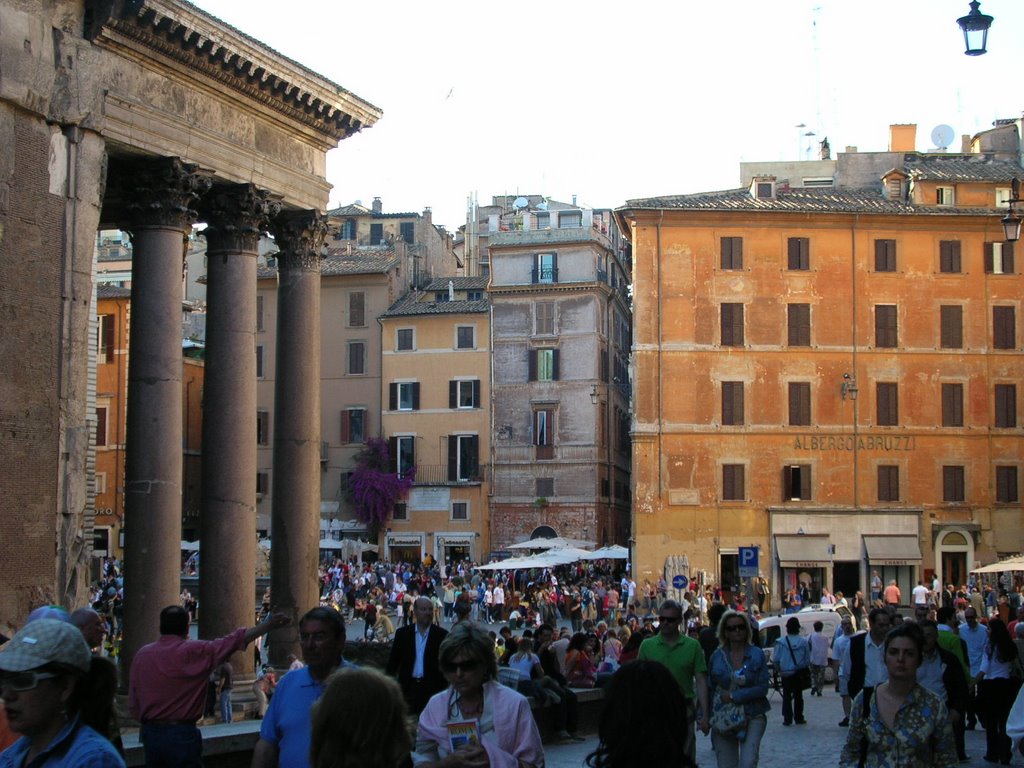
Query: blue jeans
column 172, row 746
column 225, row 706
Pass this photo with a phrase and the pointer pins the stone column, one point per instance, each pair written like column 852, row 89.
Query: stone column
column 295, row 483
column 159, row 194
column 236, row 216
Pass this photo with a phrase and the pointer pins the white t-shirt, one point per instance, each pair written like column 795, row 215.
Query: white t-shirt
column 920, row 595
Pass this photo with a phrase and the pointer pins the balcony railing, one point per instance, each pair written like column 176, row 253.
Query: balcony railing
column 437, row 474
column 544, row 275
column 531, row 453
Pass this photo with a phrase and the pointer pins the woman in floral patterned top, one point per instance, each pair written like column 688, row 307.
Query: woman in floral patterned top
column 903, row 725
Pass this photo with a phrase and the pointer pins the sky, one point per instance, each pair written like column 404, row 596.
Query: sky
column 610, row 101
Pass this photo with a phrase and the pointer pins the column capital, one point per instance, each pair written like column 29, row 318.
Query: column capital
column 300, row 236
column 162, row 191
column 236, row 216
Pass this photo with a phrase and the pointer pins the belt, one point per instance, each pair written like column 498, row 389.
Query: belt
column 162, row 723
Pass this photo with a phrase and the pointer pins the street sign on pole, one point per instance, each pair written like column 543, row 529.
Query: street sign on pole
column 748, row 562
column 680, row 582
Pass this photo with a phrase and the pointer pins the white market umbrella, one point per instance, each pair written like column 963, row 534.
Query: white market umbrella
column 562, row 556
column 189, row 546
column 330, row 544
column 557, row 542
column 510, row 564
column 1009, row 564
column 614, row 552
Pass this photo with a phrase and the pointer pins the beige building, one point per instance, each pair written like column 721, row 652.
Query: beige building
column 560, row 332
column 435, row 393
column 357, row 285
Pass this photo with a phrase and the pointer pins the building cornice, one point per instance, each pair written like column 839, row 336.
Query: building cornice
column 181, row 32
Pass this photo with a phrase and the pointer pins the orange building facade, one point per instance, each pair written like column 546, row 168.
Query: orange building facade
column 829, row 374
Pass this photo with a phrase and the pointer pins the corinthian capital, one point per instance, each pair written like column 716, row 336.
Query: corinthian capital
column 300, row 236
column 236, row 215
column 162, row 191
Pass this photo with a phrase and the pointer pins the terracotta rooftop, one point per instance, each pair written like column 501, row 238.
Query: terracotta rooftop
column 413, row 304
column 961, row 168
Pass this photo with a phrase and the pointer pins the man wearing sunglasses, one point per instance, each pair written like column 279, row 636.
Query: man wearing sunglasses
column 684, row 658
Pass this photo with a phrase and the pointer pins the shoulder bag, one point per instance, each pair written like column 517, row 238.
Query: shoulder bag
column 802, row 675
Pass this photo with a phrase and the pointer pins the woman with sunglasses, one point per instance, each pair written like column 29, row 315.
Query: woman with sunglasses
column 54, row 690
column 476, row 722
column 738, row 673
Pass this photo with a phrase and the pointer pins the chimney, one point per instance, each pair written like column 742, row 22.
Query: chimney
column 903, row 138
column 965, row 143
column 428, row 215
column 376, row 205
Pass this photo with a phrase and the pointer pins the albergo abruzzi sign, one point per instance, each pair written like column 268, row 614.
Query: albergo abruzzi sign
column 893, row 443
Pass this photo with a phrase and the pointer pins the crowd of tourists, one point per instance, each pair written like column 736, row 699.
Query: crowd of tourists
column 478, row 659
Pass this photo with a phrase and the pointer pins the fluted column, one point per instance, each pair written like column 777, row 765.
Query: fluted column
column 159, row 197
column 236, row 216
column 295, row 520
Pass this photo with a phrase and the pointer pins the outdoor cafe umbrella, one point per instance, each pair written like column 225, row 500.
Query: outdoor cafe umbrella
column 553, row 543
column 1009, row 564
column 614, row 552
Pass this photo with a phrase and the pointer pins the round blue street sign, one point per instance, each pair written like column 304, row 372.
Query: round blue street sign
column 680, row 582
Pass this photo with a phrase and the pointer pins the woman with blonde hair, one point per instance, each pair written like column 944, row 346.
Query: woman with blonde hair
column 360, row 722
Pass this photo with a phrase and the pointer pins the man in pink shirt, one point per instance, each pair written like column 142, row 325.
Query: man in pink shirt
column 167, row 685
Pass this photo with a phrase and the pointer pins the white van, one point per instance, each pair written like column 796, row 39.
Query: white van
column 771, row 628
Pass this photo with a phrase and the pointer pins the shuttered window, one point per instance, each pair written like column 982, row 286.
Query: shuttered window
column 732, row 253
column 949, row 256
column 1006, row 405
column 799, row 324
column 953, row 483
column 357, row 309
column 952, row 405
column 888, row 483
column 885, row 325
column 1006, row 485
column 799, row 253
column 1004, row 327
column 885, row 255
column 999, row 258
column 732, row 325
column 732, row 482
column 796, row 482
column 732, row 403
column 951, row 326
column 887, row 405
column 799, row 403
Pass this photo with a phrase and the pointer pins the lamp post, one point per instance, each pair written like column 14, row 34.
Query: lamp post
column 975, row 27
column 1011, row 221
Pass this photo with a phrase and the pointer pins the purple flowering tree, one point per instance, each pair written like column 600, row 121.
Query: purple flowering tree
column 374, row 486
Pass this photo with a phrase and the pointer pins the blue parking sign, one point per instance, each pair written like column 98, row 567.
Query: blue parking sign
column 748, row 562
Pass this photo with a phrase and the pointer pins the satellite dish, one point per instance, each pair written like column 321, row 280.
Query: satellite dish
column 542, row 206
column 942, row 136
column 520, row 202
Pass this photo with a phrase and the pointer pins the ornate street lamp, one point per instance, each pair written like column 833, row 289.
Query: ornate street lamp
column 975, row 26
column 1011, row 221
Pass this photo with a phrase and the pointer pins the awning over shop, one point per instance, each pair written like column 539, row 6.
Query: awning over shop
column 893, row 550
column 802, row 551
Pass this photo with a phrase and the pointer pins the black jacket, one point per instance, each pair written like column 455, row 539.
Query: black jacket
column 403, row 657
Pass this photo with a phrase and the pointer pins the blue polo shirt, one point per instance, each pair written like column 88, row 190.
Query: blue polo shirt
column 287, row 722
